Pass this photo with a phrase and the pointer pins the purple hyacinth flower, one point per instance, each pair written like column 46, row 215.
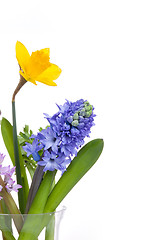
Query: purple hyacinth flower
column 52, row 161
column 50, row 139
column 9, row 182
column 68, row 149
column 66, row 133
column 10, row 185
column 3, row 170
column 33, row 149
column 16, row 187
column 7, row 173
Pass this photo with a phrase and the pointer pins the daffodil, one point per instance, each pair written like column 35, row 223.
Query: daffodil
column 37, row 66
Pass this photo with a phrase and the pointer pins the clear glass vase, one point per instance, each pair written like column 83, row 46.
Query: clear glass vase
column 43, row 226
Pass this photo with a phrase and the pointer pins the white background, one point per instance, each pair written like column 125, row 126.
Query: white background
column 109, row 53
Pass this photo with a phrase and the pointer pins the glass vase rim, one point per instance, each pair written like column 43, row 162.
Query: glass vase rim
column 59, row 210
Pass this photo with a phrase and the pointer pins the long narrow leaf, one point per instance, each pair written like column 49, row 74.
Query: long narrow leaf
column 7, row 134
column 84, row 160
column 50, row 228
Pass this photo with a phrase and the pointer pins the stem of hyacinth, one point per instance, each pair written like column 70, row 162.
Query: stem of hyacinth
column 36, row 181
column 5, row 222
column 4, row 210
column 12, row 207
column 2, row 221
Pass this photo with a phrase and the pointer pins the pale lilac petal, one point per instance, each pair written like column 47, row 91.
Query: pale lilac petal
column 2, row 156
column 16, row 187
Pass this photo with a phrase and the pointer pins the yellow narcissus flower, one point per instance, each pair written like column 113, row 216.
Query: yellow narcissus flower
column 36, row 67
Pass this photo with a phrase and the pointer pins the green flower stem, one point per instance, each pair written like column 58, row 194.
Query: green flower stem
column 21, row 196
column 84, row 160
column 12, row 207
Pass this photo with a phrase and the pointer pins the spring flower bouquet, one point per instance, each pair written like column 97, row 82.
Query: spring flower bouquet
column 40, row 156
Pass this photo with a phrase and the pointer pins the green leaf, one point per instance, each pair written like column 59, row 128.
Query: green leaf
column 7, row 134
column 24, row 136
column 41, row 196
column 84, row 160
column 26, row 129
column 29, row 161
column 50, row 228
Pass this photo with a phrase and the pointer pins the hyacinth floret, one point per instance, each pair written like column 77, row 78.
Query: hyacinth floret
column 33, row 149
column 6, row 173
column 66, row 133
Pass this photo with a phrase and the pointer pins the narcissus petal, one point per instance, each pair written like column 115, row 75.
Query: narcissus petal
column 50, row 74
column 38, row 62
column 37, row 67
column 46, row 51
column 22, row 55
